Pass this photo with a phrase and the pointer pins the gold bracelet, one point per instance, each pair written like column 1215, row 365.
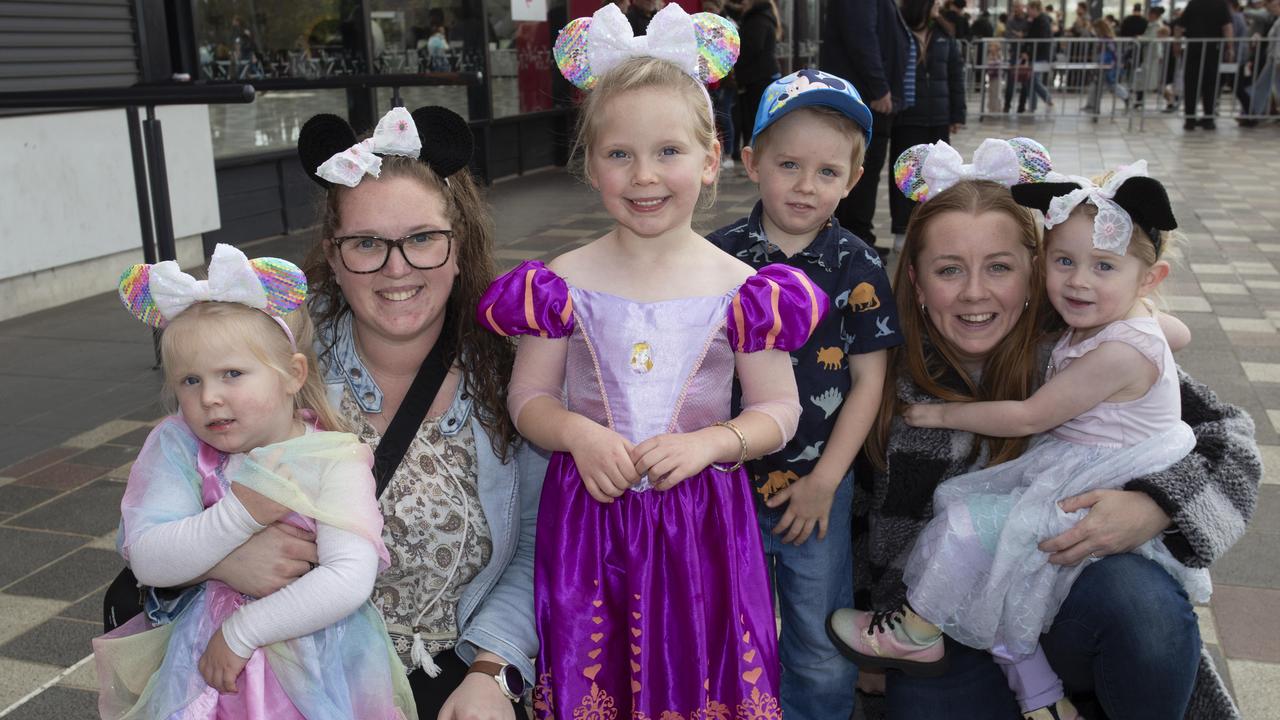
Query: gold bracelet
column 742, row 441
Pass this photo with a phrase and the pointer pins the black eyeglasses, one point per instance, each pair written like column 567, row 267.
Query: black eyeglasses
column 426, row 250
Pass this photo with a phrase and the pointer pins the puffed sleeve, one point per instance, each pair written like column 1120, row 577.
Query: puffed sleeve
column 777, row 308
column 529, row 300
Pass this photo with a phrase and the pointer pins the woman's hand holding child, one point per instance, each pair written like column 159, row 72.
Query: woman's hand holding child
column 1117, row 521
column 219, row 666
column 264, row 510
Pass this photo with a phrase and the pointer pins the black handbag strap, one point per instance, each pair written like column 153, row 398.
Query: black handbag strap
column 404, row 426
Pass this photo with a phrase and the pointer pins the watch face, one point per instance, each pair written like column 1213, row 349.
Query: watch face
column 514, row 681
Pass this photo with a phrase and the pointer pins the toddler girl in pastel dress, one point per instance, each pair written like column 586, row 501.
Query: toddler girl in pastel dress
column 247, row 449
column 650, row 588
column 1111, row 409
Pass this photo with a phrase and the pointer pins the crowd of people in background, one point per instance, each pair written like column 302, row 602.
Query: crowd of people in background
column 1231, row 47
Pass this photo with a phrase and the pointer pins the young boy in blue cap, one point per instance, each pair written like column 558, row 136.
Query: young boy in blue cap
column 806, row 152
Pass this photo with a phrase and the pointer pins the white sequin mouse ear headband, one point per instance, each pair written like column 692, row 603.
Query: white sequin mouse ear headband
column 156, row 294
column 923, row 171
column 1127, row 197
column 704, row 45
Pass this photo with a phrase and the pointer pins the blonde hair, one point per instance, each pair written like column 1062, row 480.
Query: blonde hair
column 837, row 120
column 1012, row 368
column 206, row 327
column 643, row 73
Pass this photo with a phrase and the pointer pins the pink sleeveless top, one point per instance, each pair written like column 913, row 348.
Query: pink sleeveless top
column 1120, row 424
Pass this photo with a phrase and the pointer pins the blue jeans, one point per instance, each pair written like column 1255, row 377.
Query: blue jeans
column 1038, row 89
column 1266, row 82
column 1126, row 634
column 722, row 101
column 812, row 580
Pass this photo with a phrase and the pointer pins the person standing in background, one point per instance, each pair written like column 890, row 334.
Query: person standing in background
column 867, row 42
column 1205, row 23
column 760, row 29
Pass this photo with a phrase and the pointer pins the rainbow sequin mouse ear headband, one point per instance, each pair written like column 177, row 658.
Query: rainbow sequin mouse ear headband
column 156, row 294
column 1126, row 198
column 434, row 135
column 923, row 171
column 704, row 45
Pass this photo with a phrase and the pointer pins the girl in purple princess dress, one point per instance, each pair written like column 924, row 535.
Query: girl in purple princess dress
column 650, row 588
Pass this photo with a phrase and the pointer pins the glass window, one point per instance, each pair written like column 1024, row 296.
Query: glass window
column 520, row 62
column 254, row 39
column 249, row 40
column 271, row 122
column 411, row 36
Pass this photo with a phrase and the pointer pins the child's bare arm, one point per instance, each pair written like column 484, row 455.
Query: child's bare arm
column 1176, row 332
column 809, row 498
column 1102, row 373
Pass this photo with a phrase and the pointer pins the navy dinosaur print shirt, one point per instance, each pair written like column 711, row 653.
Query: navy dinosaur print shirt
column 864, row 319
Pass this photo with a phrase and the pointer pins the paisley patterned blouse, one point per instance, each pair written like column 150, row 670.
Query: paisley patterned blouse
column 434, row 529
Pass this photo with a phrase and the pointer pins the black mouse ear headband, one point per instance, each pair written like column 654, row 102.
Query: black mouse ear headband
column 435, row 135
column 1127, row 198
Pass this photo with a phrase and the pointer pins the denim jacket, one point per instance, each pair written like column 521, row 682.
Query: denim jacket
column 495, row 612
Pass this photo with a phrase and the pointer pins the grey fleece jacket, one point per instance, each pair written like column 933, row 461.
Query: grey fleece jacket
column 1210, row 495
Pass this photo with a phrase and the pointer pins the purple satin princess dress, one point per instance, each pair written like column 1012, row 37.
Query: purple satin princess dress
column 655, row 605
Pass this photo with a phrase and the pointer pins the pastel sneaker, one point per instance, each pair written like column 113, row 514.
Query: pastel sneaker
column 1061, row 710
column 878, row 639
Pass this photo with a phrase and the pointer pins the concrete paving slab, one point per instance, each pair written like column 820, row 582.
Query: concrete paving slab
column 16, row 498
column 63, row 476
column 107, row 432
column 71, row 578
column 58, row 642
column 29, row 550
column 1257, row 687
column 19, row 614
column 90, row 510
column 1247, row 627
column 17, row 678
column 59, row 703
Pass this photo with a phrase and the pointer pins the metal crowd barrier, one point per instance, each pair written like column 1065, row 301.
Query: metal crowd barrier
column 1124, row 78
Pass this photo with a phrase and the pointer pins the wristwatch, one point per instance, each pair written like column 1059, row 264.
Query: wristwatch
column 508, row 677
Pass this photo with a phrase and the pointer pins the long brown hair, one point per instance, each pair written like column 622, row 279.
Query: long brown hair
column 1012, row 368
column 488, row 356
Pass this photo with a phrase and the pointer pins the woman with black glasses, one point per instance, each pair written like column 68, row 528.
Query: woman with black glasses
column 403, row 255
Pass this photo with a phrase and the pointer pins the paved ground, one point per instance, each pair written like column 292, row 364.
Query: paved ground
column 78, row 390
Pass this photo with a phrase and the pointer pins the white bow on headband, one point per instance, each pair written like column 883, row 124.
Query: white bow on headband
column 231, row 279
column 670, row 36
column 994, row 160
column 396, row 134
column 1112, row 226
column 156, row 294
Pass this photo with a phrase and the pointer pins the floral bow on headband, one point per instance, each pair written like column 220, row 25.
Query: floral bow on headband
column 923, row 171
column 435, row 136
column 396, row 134
column 1127, row 197
column 704, row 45
column 156, row 294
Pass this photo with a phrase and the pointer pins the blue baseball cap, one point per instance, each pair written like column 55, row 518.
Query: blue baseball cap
column 806, row 88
